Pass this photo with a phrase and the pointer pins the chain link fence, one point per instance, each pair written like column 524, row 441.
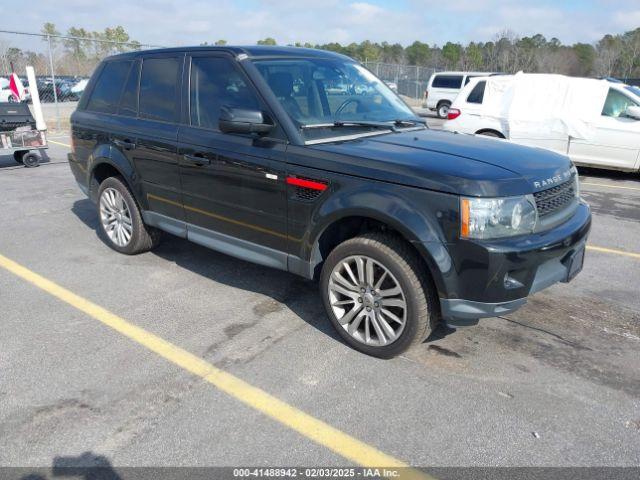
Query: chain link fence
column 409, row 80
column 62, row 64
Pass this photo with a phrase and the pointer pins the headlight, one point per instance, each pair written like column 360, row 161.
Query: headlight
column 484, row 218
column 576, row 179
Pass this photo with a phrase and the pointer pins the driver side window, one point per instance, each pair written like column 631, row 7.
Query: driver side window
column 616, row 104
column 215, row 82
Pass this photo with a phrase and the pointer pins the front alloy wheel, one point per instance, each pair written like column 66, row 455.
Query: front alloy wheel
column 378, row 295
column 367, row 300
column 115, row 217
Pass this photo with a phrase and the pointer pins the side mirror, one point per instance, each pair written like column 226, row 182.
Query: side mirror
column 242, row 120
column 633, row 111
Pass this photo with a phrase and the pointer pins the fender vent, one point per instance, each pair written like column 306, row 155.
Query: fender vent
column 307, row 193
column 307, row 189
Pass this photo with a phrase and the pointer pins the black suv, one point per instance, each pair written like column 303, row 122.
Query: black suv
column 304, row 161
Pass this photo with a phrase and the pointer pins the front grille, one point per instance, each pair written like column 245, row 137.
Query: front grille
column 556, row 198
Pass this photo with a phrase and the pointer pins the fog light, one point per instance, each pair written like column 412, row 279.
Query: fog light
column 510, row 282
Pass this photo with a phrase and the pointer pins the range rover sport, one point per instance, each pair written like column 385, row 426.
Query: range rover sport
column 303, row 160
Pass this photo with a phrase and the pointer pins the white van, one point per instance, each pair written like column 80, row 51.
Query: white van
column 443, row 88
column 594, row 122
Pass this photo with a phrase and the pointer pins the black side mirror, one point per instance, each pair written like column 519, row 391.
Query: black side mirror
column 242, row 120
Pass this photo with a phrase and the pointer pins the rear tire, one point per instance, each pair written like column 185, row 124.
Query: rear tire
column 491, row 133
column 443, row 109
column 121, row 220
column 371, row 320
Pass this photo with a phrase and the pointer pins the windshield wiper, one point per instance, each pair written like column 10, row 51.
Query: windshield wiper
column 390, row 125
column 349, row 123
column 409, row 121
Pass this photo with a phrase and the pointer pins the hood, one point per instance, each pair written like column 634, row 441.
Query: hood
column 448, row 162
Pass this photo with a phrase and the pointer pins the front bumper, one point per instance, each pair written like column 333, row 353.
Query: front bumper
column 494, row 278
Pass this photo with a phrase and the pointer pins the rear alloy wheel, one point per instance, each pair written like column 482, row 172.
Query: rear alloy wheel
column 377, row 295
column 121, row 221
column 443, row 110
column 115, row 217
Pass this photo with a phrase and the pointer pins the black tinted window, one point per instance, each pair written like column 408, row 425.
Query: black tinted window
column 106, row 93
column 214, row 83
column 477, row 94
column 447, row 81
column 159, row 88
column 129, row 100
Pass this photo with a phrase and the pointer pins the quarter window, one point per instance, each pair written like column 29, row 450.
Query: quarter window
column 215, row 83
column 447, row 81
column 159, row 89
column 477, row 94
column 106, row 93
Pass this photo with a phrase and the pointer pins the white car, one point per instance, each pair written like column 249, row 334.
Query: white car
column 600, row 129
column 443, row 88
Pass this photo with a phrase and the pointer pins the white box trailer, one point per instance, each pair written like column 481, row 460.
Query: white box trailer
column 595, row 122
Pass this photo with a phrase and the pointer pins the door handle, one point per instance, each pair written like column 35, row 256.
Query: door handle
column 125, row 144
column 197, row 159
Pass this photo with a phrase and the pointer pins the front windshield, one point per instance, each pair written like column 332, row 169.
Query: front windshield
column 322, row 91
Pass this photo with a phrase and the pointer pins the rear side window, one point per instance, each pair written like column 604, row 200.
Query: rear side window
column 129, row 100
column 159, row 89
column 216, row 83
column 477, row 94
column 106, row 93
column 447, row 81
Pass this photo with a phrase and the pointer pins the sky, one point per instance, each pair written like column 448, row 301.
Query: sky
column 187, row 22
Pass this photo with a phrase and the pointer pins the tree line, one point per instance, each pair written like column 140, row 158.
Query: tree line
column 614, row 55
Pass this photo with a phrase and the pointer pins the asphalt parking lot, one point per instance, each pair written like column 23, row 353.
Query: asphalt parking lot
column 554, row 384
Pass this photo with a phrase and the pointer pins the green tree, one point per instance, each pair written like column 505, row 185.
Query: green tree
column 451, row 52
column 49, row 29
column 267, row 41
column 368, row 51
column 418, row 53
column 586, row 56
column 220, row 42
column 474, row 56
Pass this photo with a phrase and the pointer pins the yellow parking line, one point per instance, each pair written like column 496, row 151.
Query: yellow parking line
column 254, row 397
column 58, row 143
column 614, row 251
column 609, row 186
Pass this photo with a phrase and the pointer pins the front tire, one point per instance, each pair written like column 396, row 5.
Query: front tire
column 121, row 221
column 377, row 295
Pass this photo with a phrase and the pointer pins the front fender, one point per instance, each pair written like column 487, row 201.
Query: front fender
column 422, row 217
